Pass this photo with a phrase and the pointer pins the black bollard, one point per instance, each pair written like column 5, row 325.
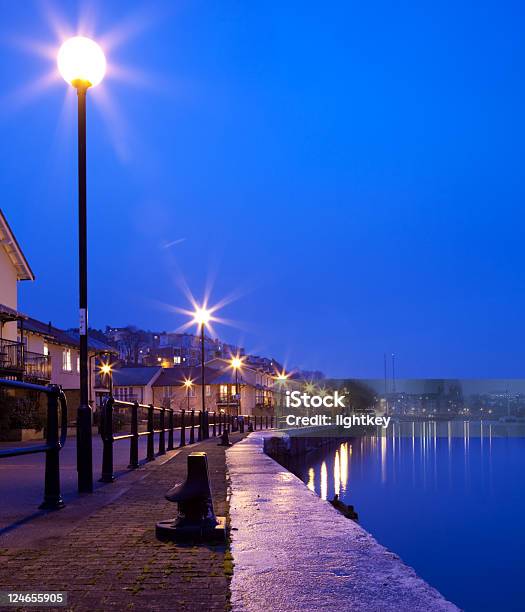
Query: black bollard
column 192, row 427
column 225, row 439
column 150, row 451
column 52, row 496
column 134, row 440
column 196, row 520
column 182, row 429
column 162, row 432
column 170, row 429
column 107, row 440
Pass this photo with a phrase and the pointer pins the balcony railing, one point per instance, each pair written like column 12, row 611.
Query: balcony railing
column 11, row 356
column 227, row 399
column 16, row 360
column 37, row 366
column 263, row 402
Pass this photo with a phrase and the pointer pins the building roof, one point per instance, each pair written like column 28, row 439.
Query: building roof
column 13, row 250
column 10, row 314
column 174, row 377
column 59, row 336
column 134, row 377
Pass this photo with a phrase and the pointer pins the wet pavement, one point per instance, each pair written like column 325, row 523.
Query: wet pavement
column 293, row 551
column 22, row 478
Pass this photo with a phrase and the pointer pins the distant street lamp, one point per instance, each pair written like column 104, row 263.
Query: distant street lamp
column 107, row 371
column 202, row 317
column 188, row 383
column 81, row 63
column 236, row 364
column 281, row 379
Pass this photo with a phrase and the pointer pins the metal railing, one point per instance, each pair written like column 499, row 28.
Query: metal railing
column 56, row 433
column 37, row 365
column 11, row 355
column 198, row 423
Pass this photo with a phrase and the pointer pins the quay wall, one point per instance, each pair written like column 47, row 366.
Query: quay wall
column 293, row 551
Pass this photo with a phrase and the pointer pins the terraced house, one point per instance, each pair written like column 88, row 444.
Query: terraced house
column 30, row 349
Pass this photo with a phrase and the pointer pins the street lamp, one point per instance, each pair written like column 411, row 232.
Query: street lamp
column 81, row 63
column 281, row 379
column 202, row 317
column 107, row 371
column 188, row 383
column 236, row 364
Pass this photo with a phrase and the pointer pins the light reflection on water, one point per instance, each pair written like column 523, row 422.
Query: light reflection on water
column 447, row 497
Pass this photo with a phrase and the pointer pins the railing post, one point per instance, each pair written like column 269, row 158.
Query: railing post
column 134, row 442
column 162, row 437
column 266, row 421
column 107, row 440
column 199, row 432
column 214, row 424
column 192, row 424
column 271, row 422
column 52, row 497
column 170, row 429
column 150, row 452
column 220, row 423
column 248, row 422
column 182, row 429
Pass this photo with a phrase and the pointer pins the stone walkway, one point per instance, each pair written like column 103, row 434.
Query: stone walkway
column 293, row 551
column 111, row 560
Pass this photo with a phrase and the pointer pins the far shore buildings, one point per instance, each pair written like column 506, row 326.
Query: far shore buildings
column 33, row 350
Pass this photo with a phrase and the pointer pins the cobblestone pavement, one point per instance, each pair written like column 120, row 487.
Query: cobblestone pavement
column 111, row 560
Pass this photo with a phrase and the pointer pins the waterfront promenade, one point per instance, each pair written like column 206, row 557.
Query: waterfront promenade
column 102, row 549
column 289, row 549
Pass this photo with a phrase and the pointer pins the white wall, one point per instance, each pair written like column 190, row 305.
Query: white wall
column 8, row 292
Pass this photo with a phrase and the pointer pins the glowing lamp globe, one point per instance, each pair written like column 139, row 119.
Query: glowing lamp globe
column 81, row 62
column 202, row 316
column 236, row 363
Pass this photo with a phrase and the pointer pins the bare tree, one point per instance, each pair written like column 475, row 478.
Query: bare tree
column 131, row 341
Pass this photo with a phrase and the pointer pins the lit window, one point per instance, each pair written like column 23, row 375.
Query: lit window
column 223, row 390
column 208, row 390
column 78, row 364
column 66, row 360
column 46, row 349
column 176, row 359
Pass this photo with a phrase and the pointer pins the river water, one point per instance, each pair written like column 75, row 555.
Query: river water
column 451, row 505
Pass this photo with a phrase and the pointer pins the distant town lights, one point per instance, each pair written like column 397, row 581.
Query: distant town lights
column 81, row 62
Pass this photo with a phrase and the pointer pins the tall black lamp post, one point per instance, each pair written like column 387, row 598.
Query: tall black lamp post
column 81, row 62
column 236, row 364
column 202, row 317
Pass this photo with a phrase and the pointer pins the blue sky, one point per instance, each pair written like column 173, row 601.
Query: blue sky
column 352, row 170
